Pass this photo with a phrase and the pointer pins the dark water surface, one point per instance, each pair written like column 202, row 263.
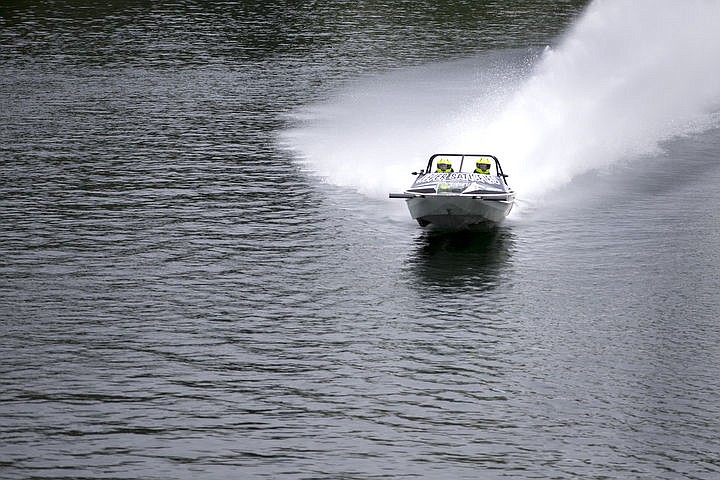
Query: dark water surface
column 180, row 299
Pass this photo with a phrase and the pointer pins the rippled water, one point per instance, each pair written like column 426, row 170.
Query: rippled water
column 180, row 297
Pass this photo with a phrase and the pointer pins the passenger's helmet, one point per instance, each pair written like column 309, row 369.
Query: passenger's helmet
column 483, row 164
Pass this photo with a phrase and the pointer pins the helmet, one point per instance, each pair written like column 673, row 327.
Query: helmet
column 444, row 161
column 483, row 164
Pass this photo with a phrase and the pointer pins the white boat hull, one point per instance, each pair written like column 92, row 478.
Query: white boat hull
column 457, row 200
column 458, row 211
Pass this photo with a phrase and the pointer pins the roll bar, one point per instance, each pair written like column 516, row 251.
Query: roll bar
column 462, row 157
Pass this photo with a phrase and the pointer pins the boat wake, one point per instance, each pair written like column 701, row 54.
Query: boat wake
column 626, row 77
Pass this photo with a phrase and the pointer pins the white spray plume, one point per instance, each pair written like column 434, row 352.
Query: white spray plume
column 377, row 130
column 627, row 76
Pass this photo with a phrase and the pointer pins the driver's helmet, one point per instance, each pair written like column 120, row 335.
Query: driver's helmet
column 483, row 164
column 444, row 164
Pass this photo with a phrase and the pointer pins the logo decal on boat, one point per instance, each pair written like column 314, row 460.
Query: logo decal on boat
column 449, row 177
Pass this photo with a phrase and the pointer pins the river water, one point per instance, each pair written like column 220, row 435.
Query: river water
column 202, row 276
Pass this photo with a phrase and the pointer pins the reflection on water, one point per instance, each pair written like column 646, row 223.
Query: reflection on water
column 462, row 257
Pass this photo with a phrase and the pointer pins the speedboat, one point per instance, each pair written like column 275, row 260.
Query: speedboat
column 459, row 198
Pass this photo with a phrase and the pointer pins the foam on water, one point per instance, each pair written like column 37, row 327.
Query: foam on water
column 628, row 75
